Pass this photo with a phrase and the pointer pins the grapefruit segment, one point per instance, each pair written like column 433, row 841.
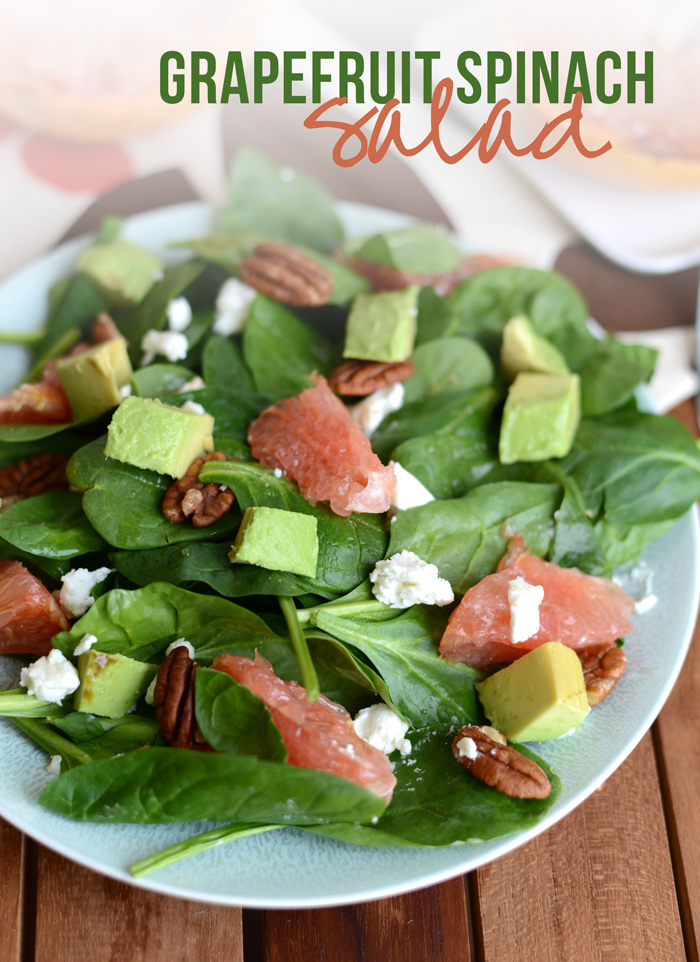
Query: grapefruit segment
column 29, row 614
column 577, row 609
column 40, row 403
column 316, row 734
column 313, row 440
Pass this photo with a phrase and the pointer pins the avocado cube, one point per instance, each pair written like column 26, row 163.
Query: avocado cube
column 278, row 540
column 110, row 684
column 540, row 417
column 382, row 327
column 124, row 272
column 149, row 434
column 524, row 350
column 93, row 380
column 539, row 697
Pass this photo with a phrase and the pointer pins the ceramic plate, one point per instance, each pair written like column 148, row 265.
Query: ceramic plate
column 290, row 868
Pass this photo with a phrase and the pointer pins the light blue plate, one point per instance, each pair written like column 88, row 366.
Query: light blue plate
column 289, row 868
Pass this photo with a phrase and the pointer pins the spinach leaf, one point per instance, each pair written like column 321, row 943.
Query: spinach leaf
column 463, row 414
column 223, row 365
column 143, row 622
column 123, row 503
column 73, row 304
column 151, row 313
column 158, row 380
column 465, row 537
column 280, row 201
column 438, row 802
column 23, row 434
column 612, row 372
column 82, row 726
column 127, row 734
column 435, row 317
column 280, row 351
column 624, row 543
column 449, row 364
column 348, row 548
column 233, row 719
column 447, row 466
column 11, row 453
column 232, row 410
column 54, row 567
column 188, row 786
column 17, row 703
column 485, row 302
column 634, row 468
column 50, row 525
column 423, row 687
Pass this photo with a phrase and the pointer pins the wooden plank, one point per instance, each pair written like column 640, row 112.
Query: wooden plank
column 425, row 926
column 597, row 886
column 85, row 917
column 12, row 851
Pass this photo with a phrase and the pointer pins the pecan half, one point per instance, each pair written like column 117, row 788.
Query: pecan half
column 487, row 756
column 103, row 329
column 173, row 699
column 360, row 378
column 603, row 666
column 36, row 475
column 188, row 497
column 285, row 274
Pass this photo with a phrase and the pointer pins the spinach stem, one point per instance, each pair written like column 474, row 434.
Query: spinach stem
column 22, row 337
column 18, row 703
column 51, row 741
column 309, row 677
column 343, row 609
column 199, row 843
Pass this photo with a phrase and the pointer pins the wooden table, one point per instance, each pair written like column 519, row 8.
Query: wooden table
column 618, row 879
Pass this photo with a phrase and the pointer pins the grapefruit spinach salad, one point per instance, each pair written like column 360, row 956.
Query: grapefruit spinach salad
column 307, row 531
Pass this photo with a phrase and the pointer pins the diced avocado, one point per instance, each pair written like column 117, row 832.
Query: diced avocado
column 110, row 684
column 540, row 696
column 382, row 327
column 149, row 434
column 278, row 540
column 540, row 417
column 124, row 272
column 93, row 380
column 420, row 249
column 524, row 350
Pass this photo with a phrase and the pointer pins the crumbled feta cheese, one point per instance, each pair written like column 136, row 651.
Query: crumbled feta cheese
column 193, row 407
column 467, row 747
column 232, row 306
column 410, row 492
column 180, row 643
column 125, row 391
column 278, row 472
column 644, row 604
column 196, row 384
column 50, row 678
column 171, row 344
column 85, row 644
column 369, row 413
column 382, row 728
column 179, row 314
column 76, row 593
column 404, row 580
column 54, row 765
column 150, row 695
column 524, row 600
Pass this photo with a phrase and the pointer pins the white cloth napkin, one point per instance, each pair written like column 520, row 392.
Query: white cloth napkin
column 675, row 379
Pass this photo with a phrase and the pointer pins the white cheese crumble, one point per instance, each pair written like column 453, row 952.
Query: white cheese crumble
column 524, row 600
column 196, row 384
column 50, row 678
column 232, row 306
column 180, row 643
column 644, row 604
column 171, row 344
column 467, row 747
column 369, row 413
column 193, row 407
column 179, row 314
column 404, row 580
column 76, row 592
column 383, row 729
column 54, row 765
column 278, row 472
column 410, row 492
column 85, row 644
column 125, row 391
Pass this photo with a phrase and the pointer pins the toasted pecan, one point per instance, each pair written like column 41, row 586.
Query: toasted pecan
column 39, row 474
column 488, row 757
column 603, row 666
column 188, row 497
column 360, row 378
column 173, row 700
column 285, row 274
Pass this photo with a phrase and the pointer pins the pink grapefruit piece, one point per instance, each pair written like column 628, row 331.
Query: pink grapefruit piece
column 312, row 440
column 29, row 614
column 316, row 734
column 579, row 610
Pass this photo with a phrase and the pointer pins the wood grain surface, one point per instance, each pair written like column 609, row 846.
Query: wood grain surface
column 12, row 856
